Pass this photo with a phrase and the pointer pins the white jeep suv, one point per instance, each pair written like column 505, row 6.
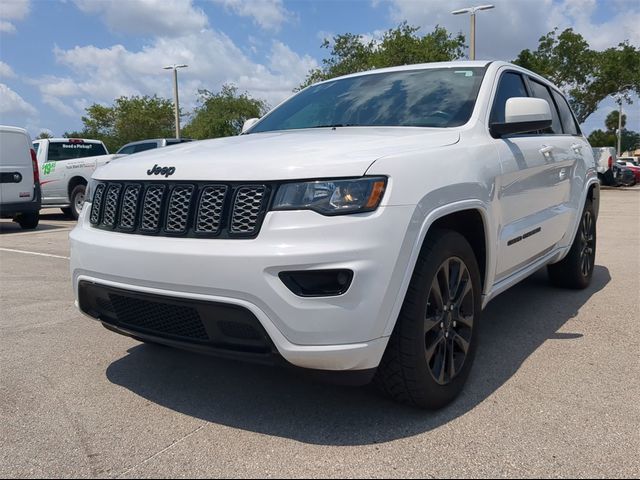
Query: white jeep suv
column 357, row 230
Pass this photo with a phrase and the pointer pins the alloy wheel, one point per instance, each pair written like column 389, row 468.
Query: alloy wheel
column 449, row 320
column 587, row 244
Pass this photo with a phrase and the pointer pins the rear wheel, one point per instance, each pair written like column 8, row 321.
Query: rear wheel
column 576, row 269
column 433, row 344
column 77, row 200
column 28, row 221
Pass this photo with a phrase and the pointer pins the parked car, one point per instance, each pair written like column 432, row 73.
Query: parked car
column 19, row 179
column 605, row 159
column 357, row 230
column 631, row 165
column 66, row 165
column 623, row 176
column 634, row 160
column 144, row 145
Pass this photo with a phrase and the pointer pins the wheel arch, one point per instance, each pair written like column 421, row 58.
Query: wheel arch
column 467, row 217
column 74, row 182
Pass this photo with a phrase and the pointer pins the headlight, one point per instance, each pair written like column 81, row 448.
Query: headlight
column 332, row 197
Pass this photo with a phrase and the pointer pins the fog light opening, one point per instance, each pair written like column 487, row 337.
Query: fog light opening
column 317, row 283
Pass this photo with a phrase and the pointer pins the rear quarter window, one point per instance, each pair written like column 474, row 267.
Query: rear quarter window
column 71, row 150
column 566, row 116
column 541, row 91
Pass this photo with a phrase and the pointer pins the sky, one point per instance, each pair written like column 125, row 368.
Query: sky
column 59, row 56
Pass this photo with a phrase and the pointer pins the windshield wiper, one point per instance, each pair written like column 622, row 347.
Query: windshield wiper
column 335, row 125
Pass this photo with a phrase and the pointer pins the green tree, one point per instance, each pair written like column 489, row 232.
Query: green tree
column 585, row 75
column 351, row 53
column 222, row 114
column 44, row 134
column 611, row 122
column 600, row 138
column 127, row 120
column 629, row 140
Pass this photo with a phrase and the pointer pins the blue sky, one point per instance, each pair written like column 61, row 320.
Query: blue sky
column 59, row 56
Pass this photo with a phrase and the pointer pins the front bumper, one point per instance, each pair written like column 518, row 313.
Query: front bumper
column 345, row 332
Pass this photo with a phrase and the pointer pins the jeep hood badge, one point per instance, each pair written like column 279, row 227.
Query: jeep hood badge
column 166, row 171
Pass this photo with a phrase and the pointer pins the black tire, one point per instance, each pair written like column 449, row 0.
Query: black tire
column 576, row 269
column 77, row 199
column 418, row 346
column 28, row 221
column 609, row 178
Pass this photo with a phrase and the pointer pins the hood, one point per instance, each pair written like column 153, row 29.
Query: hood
column 284, row 155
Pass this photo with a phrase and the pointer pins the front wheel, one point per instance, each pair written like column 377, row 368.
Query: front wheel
column 433, row 344
column 576, row 269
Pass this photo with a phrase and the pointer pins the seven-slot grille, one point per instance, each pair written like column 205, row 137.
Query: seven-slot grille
column 180, row 209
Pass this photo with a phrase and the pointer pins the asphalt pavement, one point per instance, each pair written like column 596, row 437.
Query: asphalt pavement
column 555, row 390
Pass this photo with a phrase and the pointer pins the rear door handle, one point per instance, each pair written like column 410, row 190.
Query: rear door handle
column 577, row 147
column 546, row 149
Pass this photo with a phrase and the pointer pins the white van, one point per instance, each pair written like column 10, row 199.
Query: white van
column 66, row 165
column 19, row 182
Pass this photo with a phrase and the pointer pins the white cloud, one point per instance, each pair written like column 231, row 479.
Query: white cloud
column 6, row 71
column 99, row 75
column 12, row 10
column 513, row 26
column 147, row 17
column 12, row 104
column 268, row 14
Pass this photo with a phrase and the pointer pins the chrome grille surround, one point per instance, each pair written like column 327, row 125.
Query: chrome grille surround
column 178, row 210
column 96, row 205
column 210, row 209
column 247, row 206
column 111, row 204
column 129, row 207
column 151, row 208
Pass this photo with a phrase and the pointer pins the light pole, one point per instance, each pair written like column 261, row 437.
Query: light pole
column 176, row 104
column 472, row 11
column 621, row 95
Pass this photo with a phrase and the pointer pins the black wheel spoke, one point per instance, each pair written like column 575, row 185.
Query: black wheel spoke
column 452, row 363
column 443, row 278
column 431, row 322
column 461, row 342
column 463, row 290
column 435, row 297
column 433, row 348
column 443, row 361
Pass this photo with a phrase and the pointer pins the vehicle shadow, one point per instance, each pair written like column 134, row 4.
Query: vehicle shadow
column 279, row 402
column 8, row 226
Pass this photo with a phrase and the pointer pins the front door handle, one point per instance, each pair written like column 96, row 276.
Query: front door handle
column 577, row 147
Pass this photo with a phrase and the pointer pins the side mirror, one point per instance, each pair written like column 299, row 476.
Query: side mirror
column 523, row 114
column 249, row 123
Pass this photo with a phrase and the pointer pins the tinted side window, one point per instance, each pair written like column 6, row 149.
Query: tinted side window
column 36, row 146
column 541, row 91
column 128, row 150
column 511, row 85
column 568, row 121
column 141, row 147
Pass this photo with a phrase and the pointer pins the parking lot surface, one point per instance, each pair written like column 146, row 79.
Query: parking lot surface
column 554, row 391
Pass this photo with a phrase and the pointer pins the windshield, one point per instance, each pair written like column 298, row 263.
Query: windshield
column 74, row 149
column 438, row 97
